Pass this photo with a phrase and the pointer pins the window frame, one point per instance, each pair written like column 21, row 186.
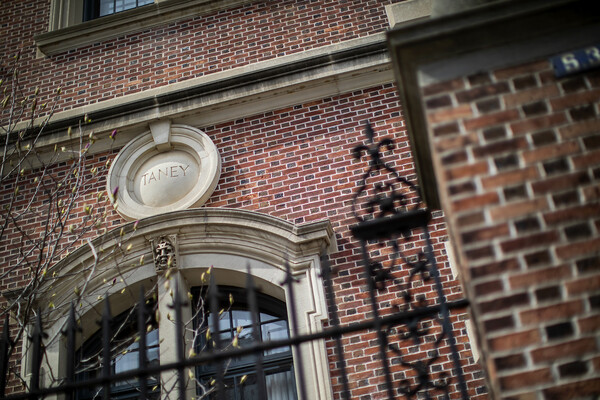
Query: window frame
column 67, row 31
column 124, row 327
column 283, row 361
column 92, row 9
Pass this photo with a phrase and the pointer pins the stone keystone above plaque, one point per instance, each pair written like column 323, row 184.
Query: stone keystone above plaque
column 171, row 167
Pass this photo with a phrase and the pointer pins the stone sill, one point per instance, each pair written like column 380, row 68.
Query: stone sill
column 135, row 20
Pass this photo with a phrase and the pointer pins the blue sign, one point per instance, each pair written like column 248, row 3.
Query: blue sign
column 576, row 61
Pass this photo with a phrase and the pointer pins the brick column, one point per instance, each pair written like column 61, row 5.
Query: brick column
column 520, row 152
column 514, row 153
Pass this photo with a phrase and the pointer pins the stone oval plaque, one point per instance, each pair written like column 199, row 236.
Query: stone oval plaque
column 166, row 178
column 157, row 174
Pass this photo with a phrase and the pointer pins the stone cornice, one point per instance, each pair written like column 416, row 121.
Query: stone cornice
column 243, row 233
column 236, row 93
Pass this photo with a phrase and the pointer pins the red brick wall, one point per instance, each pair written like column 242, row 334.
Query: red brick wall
column 190, row 48
column 518, row 155
column 296, row 164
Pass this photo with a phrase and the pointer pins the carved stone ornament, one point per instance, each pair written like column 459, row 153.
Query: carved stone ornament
column 164, row 250
column 171, row 167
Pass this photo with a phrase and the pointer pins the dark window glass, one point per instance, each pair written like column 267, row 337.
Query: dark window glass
column 236, row 319
column 93, row 9
column 124, row 357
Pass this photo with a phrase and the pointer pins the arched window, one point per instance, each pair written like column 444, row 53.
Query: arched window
column 241, row 380
column 224, row 241
column 124, row 357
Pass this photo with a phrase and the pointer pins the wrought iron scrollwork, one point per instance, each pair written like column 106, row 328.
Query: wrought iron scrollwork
column 390, row 219
column 386, row 198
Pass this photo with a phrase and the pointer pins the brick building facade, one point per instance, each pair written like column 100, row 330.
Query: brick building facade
column 282, row 89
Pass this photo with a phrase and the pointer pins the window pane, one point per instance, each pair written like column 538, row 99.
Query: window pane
column 224, row 326
column 125, row 357
column 277, row 363
column 119, row 5
column 249, row 389
column 153, row 351
column 100, row 8
column 106, row 7
column 241, row 318
column 128, row 361
column 129, row 4
column 266, row 317
column 281, row 386
column 277, row 330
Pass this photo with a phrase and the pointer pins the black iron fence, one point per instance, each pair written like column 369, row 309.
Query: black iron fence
column 388, row 214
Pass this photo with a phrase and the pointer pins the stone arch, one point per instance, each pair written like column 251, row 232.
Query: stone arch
column 226, row 240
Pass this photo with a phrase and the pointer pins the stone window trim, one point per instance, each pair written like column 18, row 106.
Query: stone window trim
column 226, row 240
column 66, row 31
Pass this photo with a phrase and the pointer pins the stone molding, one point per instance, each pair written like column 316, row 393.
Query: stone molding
column 247, row 234
column 172, row 167
column 225, row 239
column 407, row 11
column 231, row 94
